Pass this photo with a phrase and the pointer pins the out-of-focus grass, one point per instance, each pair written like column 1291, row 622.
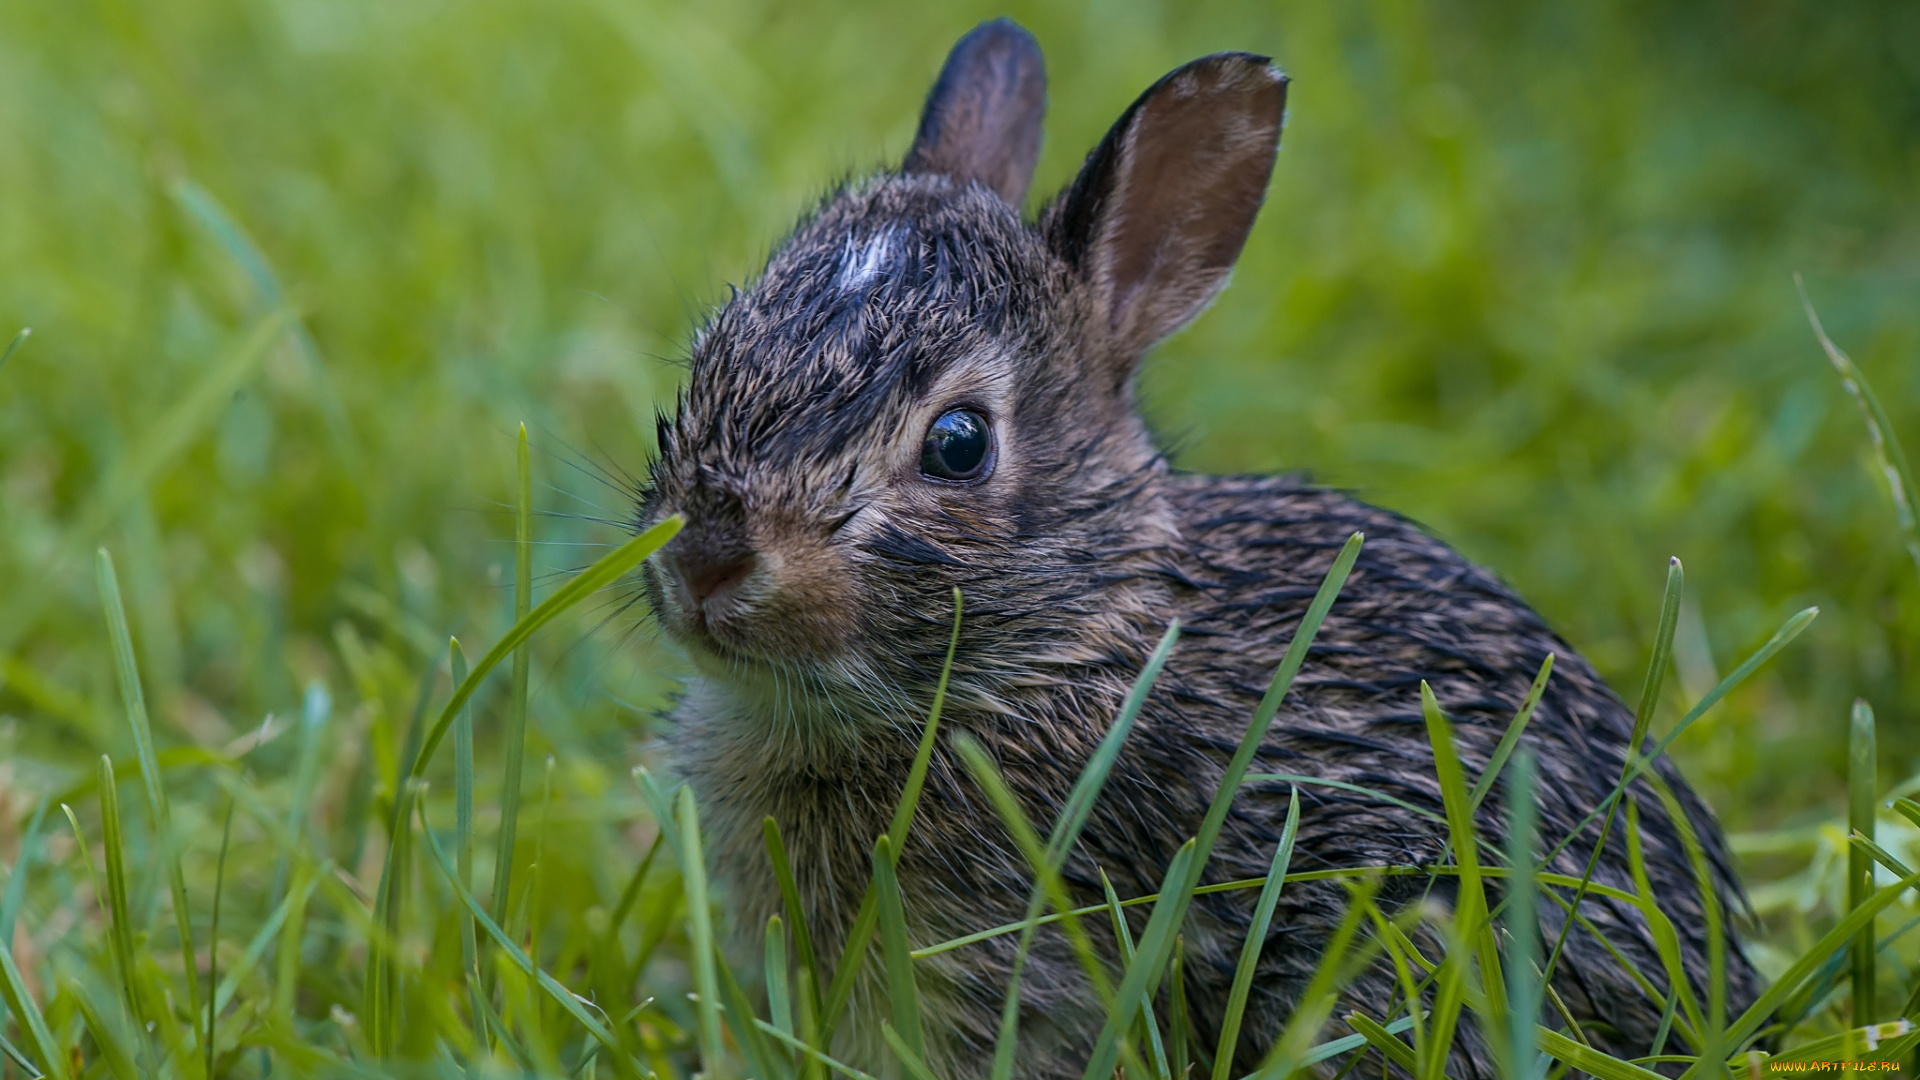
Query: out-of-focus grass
column 296, row 269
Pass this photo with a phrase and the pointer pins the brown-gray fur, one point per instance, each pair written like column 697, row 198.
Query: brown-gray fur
column 811, row 588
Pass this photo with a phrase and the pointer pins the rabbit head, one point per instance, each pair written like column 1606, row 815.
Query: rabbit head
column 922, row 390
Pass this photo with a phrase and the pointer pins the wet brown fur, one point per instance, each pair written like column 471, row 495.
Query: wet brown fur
column 795, row 447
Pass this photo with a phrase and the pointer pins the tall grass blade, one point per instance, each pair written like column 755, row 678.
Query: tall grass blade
column 1511, row 740
column 19, row 339
column 112, row 1051
column 1066, row 833
column 779, row 1001
column 213, row 934
column 706, row 981
column 1643, row 719
column 316, row 708
column 796, row 917
column 1469, row 934
column 1833, row 941
column 1523, row 923
column 157, row 809
column 1886, row 445
column 14, row 896
column 120, row 910
column 516, row 744
column 1323, row 989
column 1180, row 1024
column 463, row 835
column 589, row 581
column 570, row 1003
column 1781, row 638
column 1862, row 787
column 1149, row 1024
column 33, row 1025
column 902, row 992
column 1048, row 881
column 914, row 1060
column 861, row 935
column 1256, row 940
column 1156, row 944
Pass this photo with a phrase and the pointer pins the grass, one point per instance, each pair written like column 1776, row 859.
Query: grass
column 298, row 272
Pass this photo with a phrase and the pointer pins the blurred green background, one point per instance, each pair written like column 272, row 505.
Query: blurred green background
column 1525, row 274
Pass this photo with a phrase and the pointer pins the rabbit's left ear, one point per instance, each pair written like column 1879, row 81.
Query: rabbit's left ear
column 1163, row 205
column 982, row 118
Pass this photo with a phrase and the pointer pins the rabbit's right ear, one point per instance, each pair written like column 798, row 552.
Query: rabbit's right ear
column 1163, row 205
column 982, row 118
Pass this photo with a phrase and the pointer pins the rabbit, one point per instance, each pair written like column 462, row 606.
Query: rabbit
column 925, row 391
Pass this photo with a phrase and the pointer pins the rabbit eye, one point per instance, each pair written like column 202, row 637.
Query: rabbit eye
column 959, row 447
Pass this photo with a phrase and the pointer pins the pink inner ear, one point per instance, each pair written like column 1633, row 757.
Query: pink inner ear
column 1192, row 173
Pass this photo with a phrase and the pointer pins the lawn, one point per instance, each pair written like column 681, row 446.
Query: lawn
column 297, row 272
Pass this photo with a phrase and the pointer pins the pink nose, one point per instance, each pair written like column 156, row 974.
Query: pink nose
column 713, row 574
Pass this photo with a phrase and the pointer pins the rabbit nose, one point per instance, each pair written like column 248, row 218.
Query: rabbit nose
column 709, row 574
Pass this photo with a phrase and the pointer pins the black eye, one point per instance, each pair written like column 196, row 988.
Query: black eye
column 959, row 447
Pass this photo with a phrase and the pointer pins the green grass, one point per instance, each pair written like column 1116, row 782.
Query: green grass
column 297, row 272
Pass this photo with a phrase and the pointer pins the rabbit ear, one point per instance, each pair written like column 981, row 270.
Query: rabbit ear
column 1163, row 205
column 982, row 118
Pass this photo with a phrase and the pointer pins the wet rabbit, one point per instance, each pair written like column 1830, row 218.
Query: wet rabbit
column 924, row 390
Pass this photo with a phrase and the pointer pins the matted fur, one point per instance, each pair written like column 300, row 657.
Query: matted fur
column 794, row 454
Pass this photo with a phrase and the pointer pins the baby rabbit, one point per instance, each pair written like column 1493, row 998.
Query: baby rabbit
column 925, row 391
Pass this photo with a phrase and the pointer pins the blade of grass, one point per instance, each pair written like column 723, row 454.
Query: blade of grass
column 779, row 1005
column 1149, row 1024
column 1666, row 941
column 914, row 1061
column 315, row 709
column 854, row 954
column 301, row 887
column 1522, row 921
column 1642, row 720
column 1886, row 446
column 1066, row 833
column 1781, row 638
column 1333, row 1048
column 1511, row 739
column 902, row 993
column 797, row 918
column 1143, row 976
column 760, row 1059
column 463, row 837
column 1588, row 1060
column 32, row 1024
column 19, row 339
column 516, row 741
column 213, row 934
column 1834, row 940
column 1384, row 1041
column 159, row 813
column 1047, row 877
column 112, row 1051
column 1180, row 1024
column 706, row 981
column 1256, row 940
column 15, row 894
column 571, row 1003
column 1862, row 786
column 589, row 581
column 1470, row 904
column 1323, row 989
column 120, row 912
